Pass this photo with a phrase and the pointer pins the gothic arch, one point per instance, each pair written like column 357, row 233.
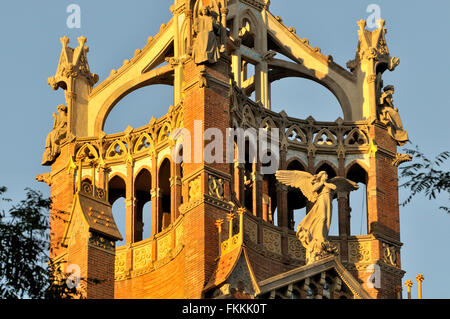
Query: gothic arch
column 142, row 194
column 116, row 187
column 294, row 159
column 328, row 167
column 248, row 18
column 357, row 172
column 141, row 168
column 184, row 36
column 361, row 164
column 165, row 196
column 161, row 75
column 284, row 69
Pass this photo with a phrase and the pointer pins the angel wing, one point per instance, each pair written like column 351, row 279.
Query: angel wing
column 343, row 184
column 298, row 179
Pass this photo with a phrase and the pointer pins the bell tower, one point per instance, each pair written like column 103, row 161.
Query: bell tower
column 221, row 223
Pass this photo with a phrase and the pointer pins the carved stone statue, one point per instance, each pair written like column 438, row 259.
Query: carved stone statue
column 207, row 43
column 54, row 138
column 319, row 190
column 390, row 117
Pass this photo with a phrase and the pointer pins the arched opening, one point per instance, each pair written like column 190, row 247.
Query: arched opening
column 138, row 107
column 165, row 209
column 246, row 33
column 301, row 98
column 328, row 169
column 116, row 191
column 250, row 163
column 179, row 173
column 269, row 164
column 358, row 201
column 296, row 200
column 143, row 208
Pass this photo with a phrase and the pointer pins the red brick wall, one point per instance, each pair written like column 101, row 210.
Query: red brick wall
column 62, row 192
column 166, row 282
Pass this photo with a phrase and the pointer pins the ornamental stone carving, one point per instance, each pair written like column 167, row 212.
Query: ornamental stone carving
column 164, row 246
column 120, row 265
column 390, row 254
column 142, row 256
column 56, row 136
column 295, row 249
column 251, row 230
column 272, row 241
column 319, row 190
column 215, row 187
column 359, row 252
column 99, row 241
column 400, row 159
column 208, row 36
column 389, row 115
column 195, row 189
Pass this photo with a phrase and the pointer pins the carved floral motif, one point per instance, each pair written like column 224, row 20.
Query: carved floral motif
column 359, row 252
column 295, row 249
column 142, row 256
column 272, row 241
column 195, row 189
column 215, row 187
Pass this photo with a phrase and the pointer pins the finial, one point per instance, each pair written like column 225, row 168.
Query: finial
column 219, row 224
column 82, row 41
column 231, row 217
column 408, row 285
column 65, row 41
column 362, row 24
column 381, row 23
column 419, row 279
column 241, row 210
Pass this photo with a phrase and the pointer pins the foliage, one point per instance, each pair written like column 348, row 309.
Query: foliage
column 426, row 176
column 25, row 269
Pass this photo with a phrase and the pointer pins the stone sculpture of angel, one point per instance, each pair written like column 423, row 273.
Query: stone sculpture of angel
column 319, row 190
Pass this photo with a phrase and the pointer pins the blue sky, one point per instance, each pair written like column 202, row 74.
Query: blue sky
column 417, row 34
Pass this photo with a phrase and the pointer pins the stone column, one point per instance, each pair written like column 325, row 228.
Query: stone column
column 130, row 203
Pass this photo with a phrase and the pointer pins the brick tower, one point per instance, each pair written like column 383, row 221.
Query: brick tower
column 223, row 227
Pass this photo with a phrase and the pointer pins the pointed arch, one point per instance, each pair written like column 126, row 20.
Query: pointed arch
column 142, row 195
column 165, row 196
column 357, row 172
column 328, row 167
column 117, row 190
